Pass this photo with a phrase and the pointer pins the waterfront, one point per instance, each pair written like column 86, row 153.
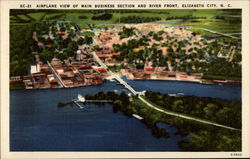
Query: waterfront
column 217, row 90
column 38, row 125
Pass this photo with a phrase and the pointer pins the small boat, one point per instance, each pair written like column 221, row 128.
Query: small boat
column 180, row 94
column 137, row 116
column 172, row 95
column 81, row 98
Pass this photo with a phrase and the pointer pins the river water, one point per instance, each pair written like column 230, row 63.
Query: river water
column 37, row 124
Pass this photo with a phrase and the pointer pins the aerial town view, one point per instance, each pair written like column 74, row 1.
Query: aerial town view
column 125, row 80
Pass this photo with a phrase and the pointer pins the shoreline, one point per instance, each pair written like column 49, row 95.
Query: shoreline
column 137, row 79
column 134, row 109
column 201, row 82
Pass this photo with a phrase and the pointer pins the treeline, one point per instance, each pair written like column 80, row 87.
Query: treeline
column 56, row 17
column 213, row 109
column 222, row 67
column 137, row 19
column 185, row 17
column 201, row 137
column 20, row 49
column 105, row 16
column 83, row 17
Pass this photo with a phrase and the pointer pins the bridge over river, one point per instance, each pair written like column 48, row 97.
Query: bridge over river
column 126, row 85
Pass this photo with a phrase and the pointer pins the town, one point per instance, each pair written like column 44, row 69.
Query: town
column 63, row 54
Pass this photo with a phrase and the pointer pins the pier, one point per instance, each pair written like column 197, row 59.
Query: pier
column 81, row 99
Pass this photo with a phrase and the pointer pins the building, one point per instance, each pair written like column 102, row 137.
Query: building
column 35, row 69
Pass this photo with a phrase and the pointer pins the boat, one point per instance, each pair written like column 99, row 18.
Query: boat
column 137, row 116
column 180, row 94
column 81, row 98
column 172, row 95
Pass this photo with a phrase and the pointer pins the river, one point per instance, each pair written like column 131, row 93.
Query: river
column 37, row 124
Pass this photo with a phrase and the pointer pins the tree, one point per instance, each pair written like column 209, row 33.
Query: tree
column 80, row 41
column 88, row 40
column 46, row 55
column 210, row 111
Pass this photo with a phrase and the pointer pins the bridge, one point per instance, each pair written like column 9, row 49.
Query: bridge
column 116, row 76
column 125, row 84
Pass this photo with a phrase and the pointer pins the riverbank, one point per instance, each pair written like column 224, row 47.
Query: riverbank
column 152, row 74
column 19, row 85
column 96, row 128
column 195, row 130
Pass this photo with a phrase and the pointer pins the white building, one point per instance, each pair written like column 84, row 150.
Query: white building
column 35, row 68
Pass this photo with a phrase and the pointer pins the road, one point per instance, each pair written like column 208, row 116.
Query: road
column 215, row 32
column 117, row 77
column 59, row 80
column 184, row 116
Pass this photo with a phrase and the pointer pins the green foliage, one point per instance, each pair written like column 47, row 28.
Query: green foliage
column 200, row 137
column 46, row 55
column 138, row 19
column 185, row 17
column 214, row 140
column 214, row 109
column 127, row 32
column 17, row 86
column 115, row 68
column 127, row 51
column 20, row 49
column 105, row 16
column 83, row 17
column 56, row 17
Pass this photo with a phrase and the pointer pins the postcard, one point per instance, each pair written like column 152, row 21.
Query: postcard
column 125, row 79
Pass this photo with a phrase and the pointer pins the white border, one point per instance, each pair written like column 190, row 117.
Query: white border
column 6, row 5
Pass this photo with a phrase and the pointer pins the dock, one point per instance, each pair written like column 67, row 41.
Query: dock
column 75, row 101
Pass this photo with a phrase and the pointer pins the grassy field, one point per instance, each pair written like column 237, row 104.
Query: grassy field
column 37, row 16
column 210, row 22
